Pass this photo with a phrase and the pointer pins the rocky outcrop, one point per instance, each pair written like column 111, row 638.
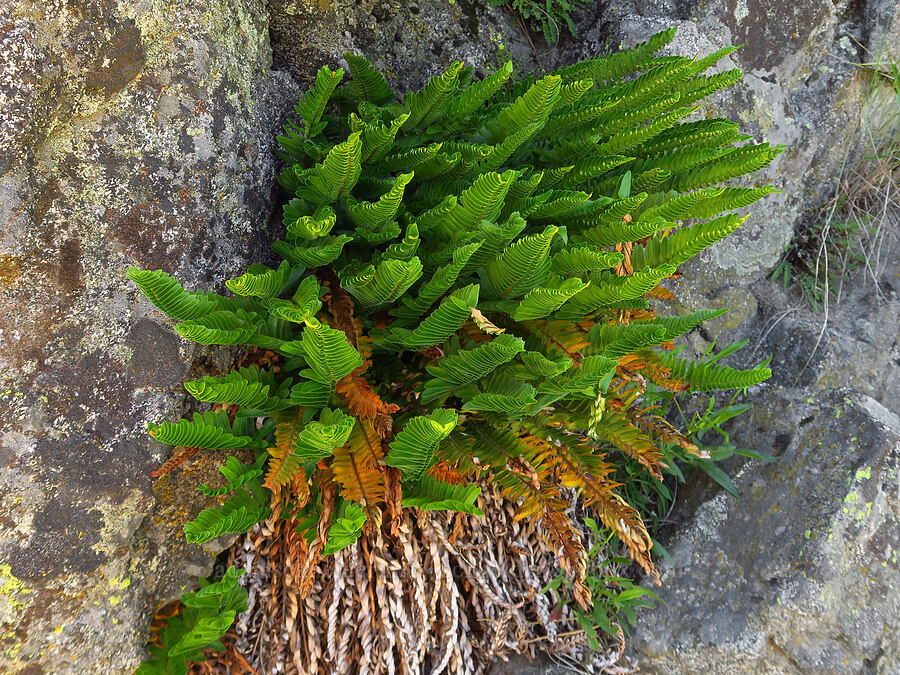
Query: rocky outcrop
column 130, row 133
column 143, row 133
column 801, row 574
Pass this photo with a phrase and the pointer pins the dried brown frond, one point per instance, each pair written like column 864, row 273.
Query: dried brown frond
column 174, row 462
column 661, row 293
column 362, row 400
column 357, row 468
column 562, row 336
column 625, row 267
column 616, row 429
column 420, row 602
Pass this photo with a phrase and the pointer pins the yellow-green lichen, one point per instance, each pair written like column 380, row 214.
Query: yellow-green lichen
column 13, row 597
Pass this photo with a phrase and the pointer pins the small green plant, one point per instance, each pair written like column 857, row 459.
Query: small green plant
column 801, row 262
column 206, row 616
column 465, row 298
column 546, row 16
column 616, row 598
column 709, row 442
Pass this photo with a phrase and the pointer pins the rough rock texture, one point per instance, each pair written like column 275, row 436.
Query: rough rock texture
column 130, row 133
column 737, row 596
column 142, row 133
column 410, row 40
column 800, row 575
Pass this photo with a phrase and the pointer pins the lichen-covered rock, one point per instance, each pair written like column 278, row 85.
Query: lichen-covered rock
column 801, row 574
column 130, row 133
column 409, row 40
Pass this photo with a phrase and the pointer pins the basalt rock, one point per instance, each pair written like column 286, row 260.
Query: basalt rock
column 799, row 575
column 130, row 133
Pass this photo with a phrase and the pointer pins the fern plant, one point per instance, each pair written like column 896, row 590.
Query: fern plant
column 465, row 297
column 206, row 616
column 547, row 17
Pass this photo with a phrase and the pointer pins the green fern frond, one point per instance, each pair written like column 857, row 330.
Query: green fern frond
column 328, row 355
column 338, row 173
column 524, row 265
column 211, row 431
column 368, row 84
column 370, row 215
column 319, row 253
column 701, row 87
column 622, row 231
column 618, row 340
column 676, row 326
column 533, row 107
column 685, row 242
column 706, row 376
column 302, row 226
column 480, row 326
column 583, row 259
column 167, row 294
column 467, row 366
column 311, row 394
column 221, row 328
column 628, row 141
column 236, row 474
column 728, row 199
column 493, row 239
column 558, row 204
column 319, row 439
column 406, row 248
column 407, row 160
column 571, row 92
column 482, row 201
column 478, row 93
column 261, row 284
column 429, row 103
column 346, row 528
column 737, row 162
column 541, row 302
column 313, row 103
column 247, row 507
column 716, row 132
column 378, row 139
column 589, row 168
column 376, row 286
column 206, row 617
column 413, row 448
column 251, row 388
column 615, row 66
column 513, row 404
column 443, row 322
column 441, row 281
